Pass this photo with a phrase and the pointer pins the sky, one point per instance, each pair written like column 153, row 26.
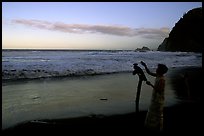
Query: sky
column 89, row 25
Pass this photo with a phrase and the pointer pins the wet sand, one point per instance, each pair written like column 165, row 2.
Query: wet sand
column 183, row 118
column 75, row 97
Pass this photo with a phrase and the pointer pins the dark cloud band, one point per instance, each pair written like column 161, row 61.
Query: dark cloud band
column 103, row 29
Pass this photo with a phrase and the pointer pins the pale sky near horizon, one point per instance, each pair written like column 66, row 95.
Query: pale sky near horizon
column 89, row 25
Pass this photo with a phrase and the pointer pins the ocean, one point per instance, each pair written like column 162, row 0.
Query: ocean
column 29, row 64
column 48, row 84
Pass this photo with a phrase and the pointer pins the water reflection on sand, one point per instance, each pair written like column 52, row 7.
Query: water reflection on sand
column 72, row 97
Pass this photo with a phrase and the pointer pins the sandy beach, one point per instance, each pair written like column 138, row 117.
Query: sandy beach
column 184, row 117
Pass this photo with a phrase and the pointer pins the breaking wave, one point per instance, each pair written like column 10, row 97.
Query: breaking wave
column 30, row 64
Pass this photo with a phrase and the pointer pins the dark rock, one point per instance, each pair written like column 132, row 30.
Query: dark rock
column 143, row 49
column 186, row 35
column 104, row 99
column 162, row 46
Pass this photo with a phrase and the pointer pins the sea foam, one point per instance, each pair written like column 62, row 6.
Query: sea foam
column 29, row 64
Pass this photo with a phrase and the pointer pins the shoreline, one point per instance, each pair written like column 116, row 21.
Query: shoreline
column 75, row 76
column 180, row 118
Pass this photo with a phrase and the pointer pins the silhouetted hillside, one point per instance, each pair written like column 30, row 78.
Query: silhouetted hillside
column 186, row 34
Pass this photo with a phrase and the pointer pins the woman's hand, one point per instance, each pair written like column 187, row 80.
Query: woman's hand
column 143, row 64
column 149, row 83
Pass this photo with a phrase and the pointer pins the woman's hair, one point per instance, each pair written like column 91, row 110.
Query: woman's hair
column 163, row 68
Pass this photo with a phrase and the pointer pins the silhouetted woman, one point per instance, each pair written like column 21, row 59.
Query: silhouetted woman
column 154, row 117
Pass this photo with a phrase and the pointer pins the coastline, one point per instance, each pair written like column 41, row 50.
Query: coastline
column 183, row 117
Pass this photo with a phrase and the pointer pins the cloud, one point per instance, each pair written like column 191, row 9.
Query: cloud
column 103, row 29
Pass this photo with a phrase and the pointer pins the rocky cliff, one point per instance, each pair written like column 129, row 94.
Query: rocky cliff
column 186, row 34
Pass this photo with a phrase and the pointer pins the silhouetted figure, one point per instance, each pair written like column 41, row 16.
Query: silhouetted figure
column 140, row 73
column 154, row 117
